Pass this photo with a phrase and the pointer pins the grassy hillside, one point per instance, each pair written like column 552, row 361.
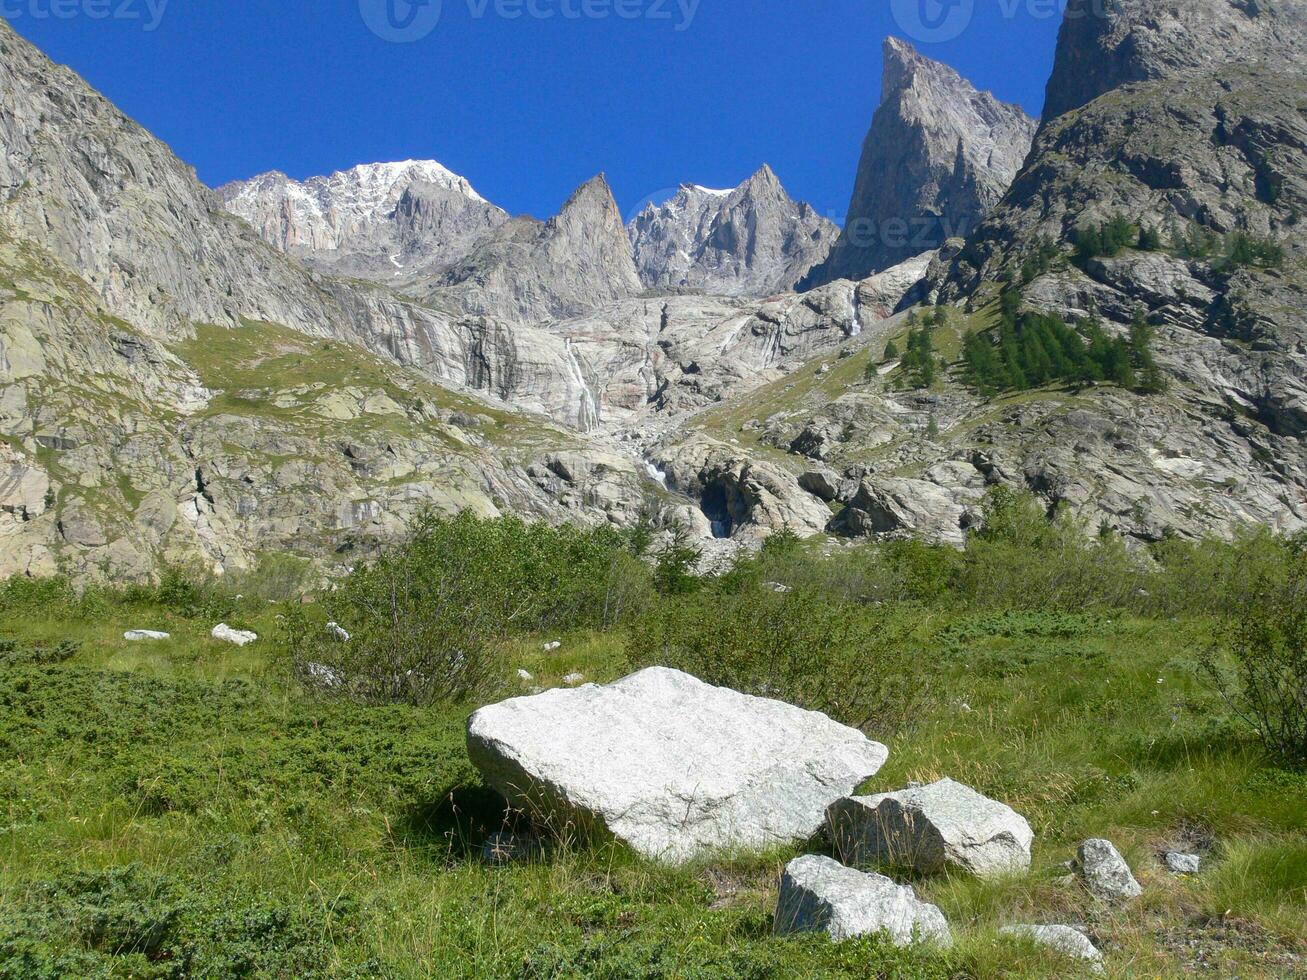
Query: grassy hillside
column 187, row 808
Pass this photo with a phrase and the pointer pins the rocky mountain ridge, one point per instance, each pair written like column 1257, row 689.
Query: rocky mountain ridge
column 531, row 272
column 937, row 158
column 388, row 222
column 753, row 240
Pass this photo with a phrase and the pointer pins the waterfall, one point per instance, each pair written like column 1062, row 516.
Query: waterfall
column 588, row 418
column 855, row 327
column 657, row 475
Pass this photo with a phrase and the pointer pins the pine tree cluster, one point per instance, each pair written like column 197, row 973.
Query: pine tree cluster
column 1032, row 350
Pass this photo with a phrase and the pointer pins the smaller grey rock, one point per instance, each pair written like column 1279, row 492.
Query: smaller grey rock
column 1105, row 872
column 141, row 636
column 339, row 632
column 573, row 680
column 239, row 637
column 821, row 895
column 1183, row 864
column 551, row 647
column 508, row 848
column 928, row 828
column 1069, row 941
column 524, row 676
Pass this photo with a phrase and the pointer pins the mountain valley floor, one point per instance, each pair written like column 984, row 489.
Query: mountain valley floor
column 190, row 808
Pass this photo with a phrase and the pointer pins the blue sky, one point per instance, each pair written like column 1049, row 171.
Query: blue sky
column 529, row 106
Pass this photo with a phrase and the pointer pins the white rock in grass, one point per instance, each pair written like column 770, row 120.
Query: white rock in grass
column 239, row 637
column 821, row 895
column 1183, row 864
column 551, row 647
column 574, row 680
column 524, row 675
column 929, row 828
column 140, row 636
column 323, row 675
column 1070, row 942
column 669, row 765
column 339, row 632
column 1105, row 872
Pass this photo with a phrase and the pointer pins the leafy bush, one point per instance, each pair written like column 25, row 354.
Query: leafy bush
column 1023, row 559
column 1267, row 644
column 428, row 618
column 127, row 921
column 802, row 647
column 13, row 654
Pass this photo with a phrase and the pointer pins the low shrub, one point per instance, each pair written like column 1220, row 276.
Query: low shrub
column 428, row 619
column 1023, row 559
column 802, row 647
column 1264, row 674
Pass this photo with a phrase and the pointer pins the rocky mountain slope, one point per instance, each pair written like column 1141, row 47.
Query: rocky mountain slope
column 938, row 157
column 388, row 222
column 1204, row 159
column 1099, row 51
column 173, row 386
column 530, row 272
column 753, row 240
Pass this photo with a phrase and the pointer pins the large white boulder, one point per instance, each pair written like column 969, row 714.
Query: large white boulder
column 929, row 828
column 228, row 635
column 821, row 895
column 669, row 765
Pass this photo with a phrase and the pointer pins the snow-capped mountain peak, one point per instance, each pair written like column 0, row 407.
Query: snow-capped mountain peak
column 352, row 221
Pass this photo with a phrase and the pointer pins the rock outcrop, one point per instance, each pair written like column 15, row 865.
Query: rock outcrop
column 530, row 272
column 821, row 895
column 753, row 240
column 668, row 765
column 939, row 156
column 928, row 829
column 388, row 222
column 1103, row 47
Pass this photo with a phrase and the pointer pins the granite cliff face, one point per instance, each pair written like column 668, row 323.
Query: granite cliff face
column 388, row 222
column 938, row 157
column 1103, row 47
column 753, row 240
column 530, row 272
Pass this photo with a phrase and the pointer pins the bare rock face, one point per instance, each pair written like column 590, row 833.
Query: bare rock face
column 388, row 222
column 668, row 765
column 753, row 240
column 938, row 157
column 1104, row 46
column 943, row 825
column 530, row 272
column 821, row 895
